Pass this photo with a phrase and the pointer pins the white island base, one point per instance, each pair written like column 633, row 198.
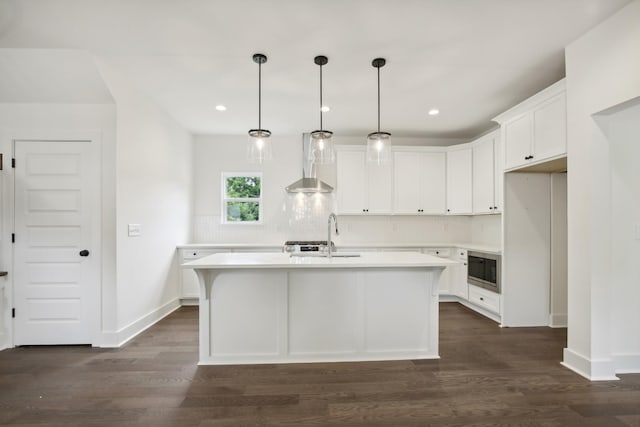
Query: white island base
column 316, row 310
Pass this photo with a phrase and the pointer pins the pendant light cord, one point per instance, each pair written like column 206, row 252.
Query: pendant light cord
column 321, row 128
column 378, row 101
column 259, row 95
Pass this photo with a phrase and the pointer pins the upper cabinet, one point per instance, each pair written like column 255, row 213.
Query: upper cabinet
column 362, row 188
column 419, row 182
column 534, row 131
column 487, row 174
column 459, row 181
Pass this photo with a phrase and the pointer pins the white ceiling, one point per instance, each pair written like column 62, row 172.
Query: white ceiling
column 472, row 59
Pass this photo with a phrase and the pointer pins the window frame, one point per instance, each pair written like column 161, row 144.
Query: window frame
column 225, row 200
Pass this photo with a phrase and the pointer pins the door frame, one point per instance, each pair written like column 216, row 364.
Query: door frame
column 7, row 257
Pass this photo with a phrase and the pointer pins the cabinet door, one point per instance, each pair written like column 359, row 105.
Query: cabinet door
column 459, row 181
column 406, row 182
column 517, row 141
column 459, row 285
column 188, row 279
column 549, row 129
column 351, row 181
column 380, row 188
column 444, row 284
column 433, row 183
column 483, row 177
column 499, row 174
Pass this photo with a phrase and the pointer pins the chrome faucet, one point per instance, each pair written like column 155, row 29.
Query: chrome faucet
column 335, row 221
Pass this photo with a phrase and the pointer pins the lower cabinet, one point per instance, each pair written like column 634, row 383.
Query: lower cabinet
column 190, row 286
column 483, row 298
column 188, row 279
column 444, row 287
column 458, row 273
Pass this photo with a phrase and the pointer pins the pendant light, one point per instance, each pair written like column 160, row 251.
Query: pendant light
column 379, row 143
column 259, row 143
column 321, row 148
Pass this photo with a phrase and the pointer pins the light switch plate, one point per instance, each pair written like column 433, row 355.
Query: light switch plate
column 134, row 230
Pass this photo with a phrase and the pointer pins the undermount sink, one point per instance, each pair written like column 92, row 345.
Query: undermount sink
column 325, row 255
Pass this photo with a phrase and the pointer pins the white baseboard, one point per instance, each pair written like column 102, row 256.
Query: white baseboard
column 627, row 363
column 118, row 338
column 558, row 320
column 189, row 301
column 594, row 370
column 486, row 313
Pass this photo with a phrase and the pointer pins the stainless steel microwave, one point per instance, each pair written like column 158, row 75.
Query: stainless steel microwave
column 484, row 270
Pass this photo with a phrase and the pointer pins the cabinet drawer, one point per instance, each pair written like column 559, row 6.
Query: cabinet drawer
column 439, row 252
column 460, row 254
column 485, row 299
column 191, row 254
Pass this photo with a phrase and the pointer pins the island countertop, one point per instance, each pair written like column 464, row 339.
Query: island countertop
column 249, row 260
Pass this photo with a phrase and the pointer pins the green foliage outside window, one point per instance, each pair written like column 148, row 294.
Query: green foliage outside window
column 243, row 211
column 243, row 187
column 242, row 198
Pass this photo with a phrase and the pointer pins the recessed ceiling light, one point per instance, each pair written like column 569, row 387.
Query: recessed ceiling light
column 434, row 112
column 221, row 108
column 325, row 108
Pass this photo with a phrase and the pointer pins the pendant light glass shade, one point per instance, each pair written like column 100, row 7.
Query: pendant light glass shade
column 321, row 149
column 379, row 147
column 259, row 143
column 379, row 143
column 259, row 146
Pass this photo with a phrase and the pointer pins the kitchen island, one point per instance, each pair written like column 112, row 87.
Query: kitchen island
column 277, row 308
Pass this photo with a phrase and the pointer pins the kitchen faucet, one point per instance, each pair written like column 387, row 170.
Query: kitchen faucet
column 335, row 220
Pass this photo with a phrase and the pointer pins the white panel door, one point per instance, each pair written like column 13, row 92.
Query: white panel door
column 406, row 180
column 459, row 181
column 351, row 181
column 57, row 284
column 517, row 141
column 433, row 183
column 483, row 177
column 379, row 188
column 549, row 129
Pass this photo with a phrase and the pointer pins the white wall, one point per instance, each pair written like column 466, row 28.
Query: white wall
column 602, row 71
column 487, row 230
column 41, row 120
column 215, row 154
column 623, row 132
column 558, row 302
column 153, row 189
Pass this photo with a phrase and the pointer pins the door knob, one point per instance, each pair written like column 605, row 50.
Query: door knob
column 84, row 252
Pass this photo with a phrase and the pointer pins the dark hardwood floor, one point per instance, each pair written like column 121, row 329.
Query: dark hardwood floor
column 487, row 376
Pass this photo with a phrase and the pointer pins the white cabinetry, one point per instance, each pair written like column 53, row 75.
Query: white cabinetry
column 458, row 274
column 419, row 182
column 459, row 181
column 188, row 279
column 189, row 284
column 487, row 182
column 534, row 131
column 484, row 299
column 362, row 188
column 444, row 285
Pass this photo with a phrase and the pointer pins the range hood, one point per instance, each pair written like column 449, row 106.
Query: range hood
column 309, row 183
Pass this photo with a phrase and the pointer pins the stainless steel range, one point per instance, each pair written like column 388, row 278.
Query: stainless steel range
column 307, row 246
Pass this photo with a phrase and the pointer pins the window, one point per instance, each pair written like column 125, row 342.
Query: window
column 241, row 198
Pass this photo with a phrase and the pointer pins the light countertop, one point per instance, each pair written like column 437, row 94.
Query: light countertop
column 279, row 260
column 350, row 246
